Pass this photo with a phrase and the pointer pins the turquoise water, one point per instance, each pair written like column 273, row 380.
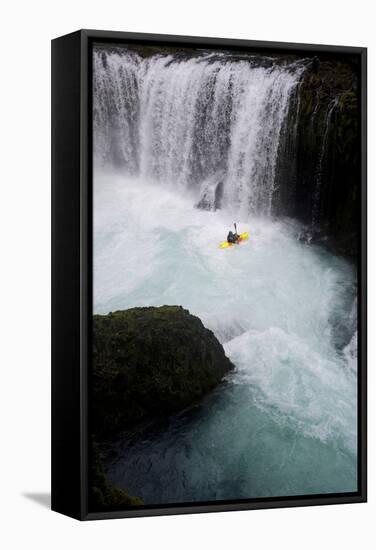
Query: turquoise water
column 229, row 448
column 284, row 422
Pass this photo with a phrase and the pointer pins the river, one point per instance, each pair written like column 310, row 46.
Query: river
column 172, row 135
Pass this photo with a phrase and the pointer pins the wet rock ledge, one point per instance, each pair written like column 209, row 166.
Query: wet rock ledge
column 148, row 362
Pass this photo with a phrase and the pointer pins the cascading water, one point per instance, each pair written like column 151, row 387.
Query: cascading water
column 194, row 122
column 172, row 131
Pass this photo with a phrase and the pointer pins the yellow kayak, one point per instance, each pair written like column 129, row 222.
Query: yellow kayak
column 242, row 237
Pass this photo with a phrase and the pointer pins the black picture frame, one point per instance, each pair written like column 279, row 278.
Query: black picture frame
column 72, row 273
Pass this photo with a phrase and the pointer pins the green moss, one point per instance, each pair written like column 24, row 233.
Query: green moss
column 149, row 362
column 104, row 495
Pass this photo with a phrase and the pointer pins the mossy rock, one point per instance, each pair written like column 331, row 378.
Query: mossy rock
column 105, row 496
column 149, row 362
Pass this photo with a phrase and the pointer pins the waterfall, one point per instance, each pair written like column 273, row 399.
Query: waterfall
column 228, row 132
column 198, row 122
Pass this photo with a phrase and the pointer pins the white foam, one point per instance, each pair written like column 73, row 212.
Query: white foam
column 297, row 383
column 271, row 300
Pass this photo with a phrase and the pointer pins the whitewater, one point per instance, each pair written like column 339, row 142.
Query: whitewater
column 284, row 421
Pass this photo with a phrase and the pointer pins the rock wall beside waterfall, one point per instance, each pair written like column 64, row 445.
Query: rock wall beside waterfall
column 318, row 168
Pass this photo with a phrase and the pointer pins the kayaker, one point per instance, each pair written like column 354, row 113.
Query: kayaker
column 233, row 237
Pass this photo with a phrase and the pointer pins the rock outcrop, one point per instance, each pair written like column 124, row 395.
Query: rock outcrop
column 149, row 362
column 104, row 495
column 318, row 173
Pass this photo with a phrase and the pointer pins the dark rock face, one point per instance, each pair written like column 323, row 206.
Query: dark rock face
column 149, row 362
column 318, row 169
column 104, row 495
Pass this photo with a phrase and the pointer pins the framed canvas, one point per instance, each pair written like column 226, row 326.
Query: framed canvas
column 208, row 274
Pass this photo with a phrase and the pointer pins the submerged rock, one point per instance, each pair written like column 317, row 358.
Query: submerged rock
column 149, row 362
